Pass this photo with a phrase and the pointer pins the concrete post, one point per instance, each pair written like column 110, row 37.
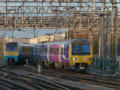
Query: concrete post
column 108, row 39
column 99, row 37
column 6, row 21
column 26, row 62
column 102, row 39
column 116, row 46
column 39, row 68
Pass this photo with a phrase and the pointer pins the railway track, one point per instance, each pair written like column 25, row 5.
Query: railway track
column 108, row 81
column 12, row 81
column 24, row 81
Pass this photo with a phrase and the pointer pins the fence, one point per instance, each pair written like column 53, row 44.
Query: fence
column 111, row 66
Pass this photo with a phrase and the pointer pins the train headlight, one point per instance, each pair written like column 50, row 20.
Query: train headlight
column 88, row 59
column 74, row 59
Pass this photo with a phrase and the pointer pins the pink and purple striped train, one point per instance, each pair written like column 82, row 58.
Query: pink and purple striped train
column 76, row 54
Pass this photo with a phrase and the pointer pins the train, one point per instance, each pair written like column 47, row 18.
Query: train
column 75, row 54
column 16, row 53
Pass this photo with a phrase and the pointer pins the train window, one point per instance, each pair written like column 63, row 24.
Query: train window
column 20, row 50
column 25, row 50
column 30, row 50
column 51, row 51
column 54, row 51
column 82, row 49
column 44, row 49
column 11, row 46
column 34, row 50
column 37, row 50
column 40, row 49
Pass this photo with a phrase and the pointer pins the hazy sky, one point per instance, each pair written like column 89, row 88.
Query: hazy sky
column 30, row 33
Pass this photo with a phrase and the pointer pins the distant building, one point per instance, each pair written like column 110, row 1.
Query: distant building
column 39, row 39
column 58, row 37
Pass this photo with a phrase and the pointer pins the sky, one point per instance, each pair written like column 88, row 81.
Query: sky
column 30, row 33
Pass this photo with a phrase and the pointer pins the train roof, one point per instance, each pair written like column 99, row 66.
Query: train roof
column 25, row 44
column 55, row 42
column 67, row 41
column 11, row 42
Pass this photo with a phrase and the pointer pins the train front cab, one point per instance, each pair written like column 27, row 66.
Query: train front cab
column 11, row 53
column 80, row 56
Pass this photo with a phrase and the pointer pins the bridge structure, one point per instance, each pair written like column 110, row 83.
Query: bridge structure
column 57, row 13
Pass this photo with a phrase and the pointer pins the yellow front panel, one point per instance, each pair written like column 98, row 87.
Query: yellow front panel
column 11, row 53
column 80, row 58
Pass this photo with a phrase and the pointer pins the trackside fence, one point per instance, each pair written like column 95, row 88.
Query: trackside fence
column 111, row 66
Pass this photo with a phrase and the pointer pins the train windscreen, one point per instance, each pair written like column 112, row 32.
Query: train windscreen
column 11, row 47
column 80, row 49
